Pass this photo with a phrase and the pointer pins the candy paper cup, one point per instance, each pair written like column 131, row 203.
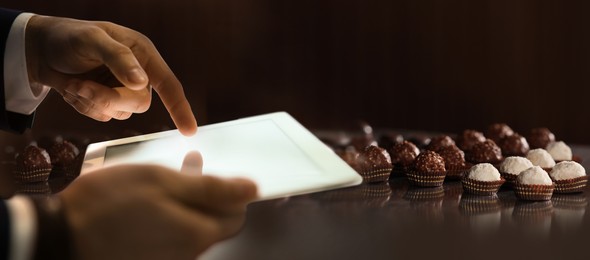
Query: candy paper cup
column 571, row 185
column 421, row 179
column 482, row 188
column 533, row 192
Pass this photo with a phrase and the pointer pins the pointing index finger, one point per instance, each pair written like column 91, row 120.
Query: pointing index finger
column 165, row 83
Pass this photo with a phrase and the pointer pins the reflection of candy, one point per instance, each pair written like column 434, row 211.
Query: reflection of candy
column 473, row 205
column 531, row 211
column 570, row 201
column 425, row 194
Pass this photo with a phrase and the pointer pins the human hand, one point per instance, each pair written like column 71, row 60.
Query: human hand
column 103, row 70
column 149, row 212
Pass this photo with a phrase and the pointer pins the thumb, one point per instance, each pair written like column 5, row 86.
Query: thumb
column 120, row 60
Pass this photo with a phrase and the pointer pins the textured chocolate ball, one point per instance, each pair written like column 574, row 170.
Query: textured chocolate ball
column 498, row 131
column 32, row 165
column 404, row 153
column 486, row 152
column 33, row 157
column 63, row 154
column 439, row 142
column 540, row 137
column 429, row 162
column 453, row 156
column 469, row 138
column 374, row 164
column 514, row 145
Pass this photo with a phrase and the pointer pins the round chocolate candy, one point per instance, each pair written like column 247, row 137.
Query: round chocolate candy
column 404, row 153
column 486, row 152
column 469, row 138
column 498, row 131
column 429, row 162
column 32, row 165
column 540, row 137
column 514, row 145
column 453, row 156
column 63, row 154
column 374, row 164
column 440, row 142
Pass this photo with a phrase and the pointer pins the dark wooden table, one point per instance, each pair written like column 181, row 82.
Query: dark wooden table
column 397, row 221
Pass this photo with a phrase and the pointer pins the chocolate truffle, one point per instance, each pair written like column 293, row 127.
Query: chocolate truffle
column 428, row 170
column 404, row 153
column 498, row 131
column 388, row 140
column 63, row 154
column 469, row 138
column 486, row 152
column 374, row 164
column 567, row 170
column 560, row 151
column 33, row 165
column 453, row 156
column 534, row 176
column 534, row 184
column 540, row 157
column 482, row 179
column 540, row 137
column 439, row 142
column 569, row 177
column 429, row 162
column 514, row 145
column 483, row 172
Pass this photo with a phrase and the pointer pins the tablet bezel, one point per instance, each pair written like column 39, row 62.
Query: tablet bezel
column 335, row 172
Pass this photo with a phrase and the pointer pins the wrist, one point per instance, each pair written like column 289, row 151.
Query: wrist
column 33, row 41
column 53, row 232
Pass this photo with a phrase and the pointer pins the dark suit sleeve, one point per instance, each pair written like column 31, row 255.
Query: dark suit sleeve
column 9, row 121
column 4, row 231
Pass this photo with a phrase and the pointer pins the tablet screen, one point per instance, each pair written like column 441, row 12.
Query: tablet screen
column 257, row 150
column 273, row 150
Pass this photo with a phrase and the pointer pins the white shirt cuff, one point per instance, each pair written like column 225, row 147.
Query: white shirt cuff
column 21, row 96
column 23, row 227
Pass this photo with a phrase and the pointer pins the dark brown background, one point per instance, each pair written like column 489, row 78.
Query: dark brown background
column 431, row 65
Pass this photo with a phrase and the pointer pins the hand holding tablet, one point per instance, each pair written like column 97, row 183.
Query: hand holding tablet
column 274, row 150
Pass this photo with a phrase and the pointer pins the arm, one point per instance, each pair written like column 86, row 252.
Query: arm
column 11, row 119
column 103, row 70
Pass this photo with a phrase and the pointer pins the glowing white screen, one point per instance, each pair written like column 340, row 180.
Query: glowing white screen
column 256, row 150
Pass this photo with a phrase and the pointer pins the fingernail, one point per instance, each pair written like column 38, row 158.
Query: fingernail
column 136, row 76
column 85, row 93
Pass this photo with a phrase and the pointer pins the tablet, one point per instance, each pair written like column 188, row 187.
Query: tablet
column 280, row 155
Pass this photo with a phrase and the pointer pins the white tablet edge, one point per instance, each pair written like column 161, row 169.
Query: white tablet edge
column 307, row 142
